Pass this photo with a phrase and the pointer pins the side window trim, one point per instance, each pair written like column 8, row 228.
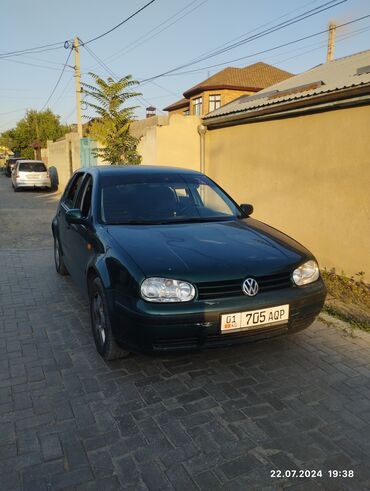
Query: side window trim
column 86, row 182
column 73, row 179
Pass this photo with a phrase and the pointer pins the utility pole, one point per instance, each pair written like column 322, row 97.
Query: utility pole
column 331, row 41
column 38, row 148
column 202, row 132
column 78, row 86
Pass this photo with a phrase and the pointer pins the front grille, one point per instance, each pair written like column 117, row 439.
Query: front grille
column 213, row 340
column 177, row 343
column 233, row 288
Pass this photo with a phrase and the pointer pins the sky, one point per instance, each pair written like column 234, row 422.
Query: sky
column 165, row 35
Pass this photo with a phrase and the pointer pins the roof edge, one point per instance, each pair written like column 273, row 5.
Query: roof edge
column 203, row 88
column 308, row 103
column 176, row 105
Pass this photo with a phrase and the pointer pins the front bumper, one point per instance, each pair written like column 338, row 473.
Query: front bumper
column 167, row 327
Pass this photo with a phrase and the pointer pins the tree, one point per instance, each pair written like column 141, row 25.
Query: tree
column 35, row 126
column 111, row 127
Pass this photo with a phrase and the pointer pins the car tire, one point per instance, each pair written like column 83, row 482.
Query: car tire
column 101, row 325
column 58, row 259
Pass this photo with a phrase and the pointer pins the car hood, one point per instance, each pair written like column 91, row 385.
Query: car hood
column 208, row 251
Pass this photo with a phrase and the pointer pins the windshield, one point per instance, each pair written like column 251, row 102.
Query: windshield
column 152, row 199
column 32, row 167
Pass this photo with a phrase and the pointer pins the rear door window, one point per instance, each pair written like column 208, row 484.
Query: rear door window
column 32, row 167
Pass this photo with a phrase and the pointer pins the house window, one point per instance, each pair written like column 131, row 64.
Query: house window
column 214, row 102
column 186, row 112
column 197, row 105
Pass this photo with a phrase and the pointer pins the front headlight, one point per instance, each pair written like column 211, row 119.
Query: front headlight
column 306, row 273
column 167, row 290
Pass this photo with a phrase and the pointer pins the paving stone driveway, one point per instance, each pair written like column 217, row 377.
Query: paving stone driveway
column 221, row 419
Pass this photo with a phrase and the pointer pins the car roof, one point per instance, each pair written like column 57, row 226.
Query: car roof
column 25, row 161
column 108, row 170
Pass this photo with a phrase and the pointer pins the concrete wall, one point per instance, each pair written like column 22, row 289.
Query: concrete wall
column 169, row 140
column 139, row 127
column 64, row 154
column 307, row 176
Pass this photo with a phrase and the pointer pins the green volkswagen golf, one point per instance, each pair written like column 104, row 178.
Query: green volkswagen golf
column 170, row 262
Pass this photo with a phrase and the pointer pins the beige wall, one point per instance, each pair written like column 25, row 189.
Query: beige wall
column 57, row 154
column 308, row 176
column 172, row 141
column 178, row 142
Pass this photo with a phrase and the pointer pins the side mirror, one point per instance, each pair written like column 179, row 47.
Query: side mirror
column 75, row 216
column 247, row 209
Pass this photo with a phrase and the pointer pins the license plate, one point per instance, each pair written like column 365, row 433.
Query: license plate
column 34, row 176
column 241, row 321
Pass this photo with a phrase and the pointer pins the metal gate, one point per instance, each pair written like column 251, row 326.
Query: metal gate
column 88, row 158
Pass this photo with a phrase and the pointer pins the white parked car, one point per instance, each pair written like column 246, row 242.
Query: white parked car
column 30, row 174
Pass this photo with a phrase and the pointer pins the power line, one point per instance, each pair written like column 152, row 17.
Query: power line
column 64, row 90
column 9, row 122
column 32, row 50
column 32, row 64
column 146, row 37
column 170, row 73
column 314, row 46
column 121, row 23
column 52, row 46
column 260, row 27
column 140, row 99
column 6, row 57
column 99, row 61
column 66, row 44
column 59, row 79
column 275, row 28
column 287, row 44
column 114, row 75
column 11, row 112
column 42, row 60
column 317, row 45
column 164, row 88
column 65, row 118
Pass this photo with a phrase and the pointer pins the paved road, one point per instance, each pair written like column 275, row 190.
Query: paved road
column 221, row 419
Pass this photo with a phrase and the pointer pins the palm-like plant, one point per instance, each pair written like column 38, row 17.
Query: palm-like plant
column 111, row 126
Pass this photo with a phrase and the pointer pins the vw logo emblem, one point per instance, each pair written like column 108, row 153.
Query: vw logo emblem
column 250, row 287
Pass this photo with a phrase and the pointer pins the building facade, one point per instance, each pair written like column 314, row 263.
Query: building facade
column 226, row 86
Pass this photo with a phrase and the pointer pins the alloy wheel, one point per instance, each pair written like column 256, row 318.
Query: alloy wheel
column 99, row 318
column 56, row 253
